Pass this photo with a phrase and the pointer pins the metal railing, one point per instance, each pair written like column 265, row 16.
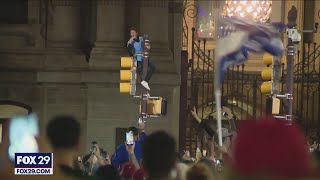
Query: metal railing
column 241, row 89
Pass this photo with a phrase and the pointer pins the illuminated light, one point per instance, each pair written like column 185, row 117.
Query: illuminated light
column 243, row 2
column 249, row 9
column 256, row 10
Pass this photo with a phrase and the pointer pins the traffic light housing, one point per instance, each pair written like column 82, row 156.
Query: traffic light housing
column 156, row 107
column 267, row 74
column 128, row 75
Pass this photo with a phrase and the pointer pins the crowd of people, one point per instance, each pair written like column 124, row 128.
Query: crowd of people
column 262, row 149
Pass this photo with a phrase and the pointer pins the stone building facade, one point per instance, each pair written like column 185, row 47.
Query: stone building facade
column 65, row 58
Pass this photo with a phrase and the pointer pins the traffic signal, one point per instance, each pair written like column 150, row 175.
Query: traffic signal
column 267, row 74
column 156, row 107
column 128, row 75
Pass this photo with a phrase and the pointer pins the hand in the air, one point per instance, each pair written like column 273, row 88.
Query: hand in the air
column 142, row 126
column 186, row 155
column 130, row 148
column 96, row 150
column 130, row 41
column 108, row 160
column 194, row 112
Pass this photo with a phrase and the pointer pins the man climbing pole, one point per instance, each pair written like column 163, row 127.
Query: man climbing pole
column 135, row 46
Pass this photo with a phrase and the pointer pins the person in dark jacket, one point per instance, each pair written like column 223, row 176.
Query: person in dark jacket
column 135, row 47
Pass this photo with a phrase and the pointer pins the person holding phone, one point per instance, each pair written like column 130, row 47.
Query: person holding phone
column 121, row 154
column 63, row 133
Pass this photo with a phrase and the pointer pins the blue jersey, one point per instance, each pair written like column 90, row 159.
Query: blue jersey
column 136, row 48
column 121, row 155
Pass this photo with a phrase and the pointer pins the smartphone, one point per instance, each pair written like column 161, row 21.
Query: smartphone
column 129, row 138
column 23, row 131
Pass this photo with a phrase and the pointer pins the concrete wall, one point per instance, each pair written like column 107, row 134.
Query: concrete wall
column 49, row 71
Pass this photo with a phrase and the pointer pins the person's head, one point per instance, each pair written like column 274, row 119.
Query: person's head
column 140, row 174
column 108, row 172
column 127, row 171
column 63, row 132
column 135, row 132
column 158, row 154
column 209, row 163
column 181, row 169
column 270, row 148
column 133, row 32
column 200, row 171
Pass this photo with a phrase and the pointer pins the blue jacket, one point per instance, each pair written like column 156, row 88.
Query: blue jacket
column 121, row 155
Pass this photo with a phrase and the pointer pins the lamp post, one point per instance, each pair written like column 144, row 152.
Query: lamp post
column 292, row 18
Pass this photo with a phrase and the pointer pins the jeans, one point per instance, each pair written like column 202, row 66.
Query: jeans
column 151, row 70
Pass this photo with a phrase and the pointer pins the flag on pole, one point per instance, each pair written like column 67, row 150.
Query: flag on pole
column 234, row 48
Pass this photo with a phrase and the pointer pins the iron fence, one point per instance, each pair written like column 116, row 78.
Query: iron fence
column 241, row 89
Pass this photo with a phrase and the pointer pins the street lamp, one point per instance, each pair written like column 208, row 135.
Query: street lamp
column 257, row 10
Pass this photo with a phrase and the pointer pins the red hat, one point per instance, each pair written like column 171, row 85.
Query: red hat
column 128, row 169
column 271, row 147
column 140, row 174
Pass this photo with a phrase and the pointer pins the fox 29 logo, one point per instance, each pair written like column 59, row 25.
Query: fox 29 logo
column 33, row 164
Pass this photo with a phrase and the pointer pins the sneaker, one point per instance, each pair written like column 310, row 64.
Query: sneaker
column 145, row 85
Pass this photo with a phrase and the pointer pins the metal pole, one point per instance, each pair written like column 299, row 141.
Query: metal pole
column 292, row 18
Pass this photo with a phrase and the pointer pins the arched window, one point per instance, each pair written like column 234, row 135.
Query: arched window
column 9, row 109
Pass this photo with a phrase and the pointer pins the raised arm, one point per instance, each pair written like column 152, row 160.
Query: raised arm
column 132, row 156
column 195, row 115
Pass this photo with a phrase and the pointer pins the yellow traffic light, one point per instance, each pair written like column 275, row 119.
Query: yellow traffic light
column 126, row 62
column 267, row 73
column 267, row 58
column 266, row 87
column 125, row 87
column 125, row 75
column 128, row 75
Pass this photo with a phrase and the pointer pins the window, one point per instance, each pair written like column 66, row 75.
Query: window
column 13, row 11
column 206, row 18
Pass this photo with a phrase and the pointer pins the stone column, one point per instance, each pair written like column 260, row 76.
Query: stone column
column 64, row 24
column 277, row 14
column 300, row 8
column 175, row 33
column 154, row 22
column 109, row 45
